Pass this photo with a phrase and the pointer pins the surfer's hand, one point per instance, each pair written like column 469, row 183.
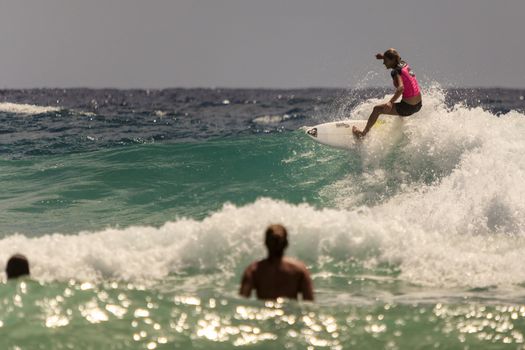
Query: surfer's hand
column 379, row 56
column 357, row 133
column 388, row 106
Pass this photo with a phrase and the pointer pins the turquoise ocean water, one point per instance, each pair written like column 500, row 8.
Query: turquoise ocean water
column 139, row 210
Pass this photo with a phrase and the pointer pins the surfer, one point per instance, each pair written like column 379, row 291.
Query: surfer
column 406, row 86
column 277, row 276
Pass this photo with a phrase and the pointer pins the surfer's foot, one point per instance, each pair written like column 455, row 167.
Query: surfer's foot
column 357, row 133
column 312, row 132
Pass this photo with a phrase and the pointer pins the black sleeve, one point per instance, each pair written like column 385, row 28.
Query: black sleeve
column 394, row 72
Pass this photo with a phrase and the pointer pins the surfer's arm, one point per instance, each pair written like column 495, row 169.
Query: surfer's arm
column 398, row 83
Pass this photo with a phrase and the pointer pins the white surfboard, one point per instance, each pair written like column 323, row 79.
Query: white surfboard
column 339, row 134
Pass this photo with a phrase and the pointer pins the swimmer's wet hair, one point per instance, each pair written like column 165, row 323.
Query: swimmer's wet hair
column 276, row 237
column 17, row 266
column 276, row 229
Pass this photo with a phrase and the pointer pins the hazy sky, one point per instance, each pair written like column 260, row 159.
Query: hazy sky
column 258, row 43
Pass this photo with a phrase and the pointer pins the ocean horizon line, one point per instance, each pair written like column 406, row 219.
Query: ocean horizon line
column 232, row 88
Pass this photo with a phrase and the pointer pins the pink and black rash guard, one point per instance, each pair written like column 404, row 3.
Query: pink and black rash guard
column 411, row 87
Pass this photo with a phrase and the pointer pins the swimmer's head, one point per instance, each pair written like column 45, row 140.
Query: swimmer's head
column 17, row 266
column 391, row 58
column 276, row 240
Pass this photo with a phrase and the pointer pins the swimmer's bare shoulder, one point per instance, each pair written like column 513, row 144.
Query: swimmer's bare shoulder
column 294, row 265
column 298, row 268
column 286, row 265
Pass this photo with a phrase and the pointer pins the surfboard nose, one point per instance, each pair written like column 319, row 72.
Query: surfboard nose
column 312, row 132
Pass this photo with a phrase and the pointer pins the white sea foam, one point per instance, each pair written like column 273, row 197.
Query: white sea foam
column 454, row 216
column 20, row 108
column 270, row 119
column 227, row 240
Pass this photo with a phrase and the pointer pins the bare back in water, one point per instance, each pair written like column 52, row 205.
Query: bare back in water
column 274, row 278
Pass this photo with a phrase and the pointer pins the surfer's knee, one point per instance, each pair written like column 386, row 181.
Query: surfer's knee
column 379, row 109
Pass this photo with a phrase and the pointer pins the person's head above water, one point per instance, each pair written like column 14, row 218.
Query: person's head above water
column 276, row 240
column 390, row 58
column 17, row 266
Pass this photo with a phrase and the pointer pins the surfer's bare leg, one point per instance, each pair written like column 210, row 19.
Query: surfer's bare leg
column 387, row 108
